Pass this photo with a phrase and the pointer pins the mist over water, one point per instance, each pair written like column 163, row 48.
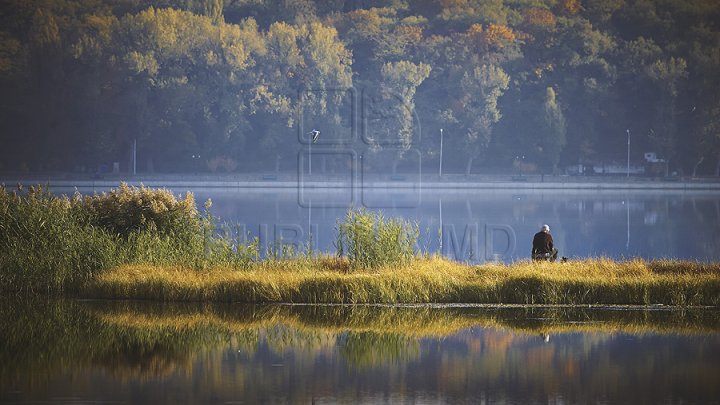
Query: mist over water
column 481, row 225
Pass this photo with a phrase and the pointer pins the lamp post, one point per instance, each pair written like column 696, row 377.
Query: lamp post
column 134, row 157
column 196, row 163
column 628, row 169
column 441, row 148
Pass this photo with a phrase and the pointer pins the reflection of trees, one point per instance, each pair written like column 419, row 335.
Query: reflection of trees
column 326, row 350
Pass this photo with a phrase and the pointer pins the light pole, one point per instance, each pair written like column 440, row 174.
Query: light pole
column 441, row 148
column 628, row 153
column 196, row 163
column 627, row 243
column 134, row 157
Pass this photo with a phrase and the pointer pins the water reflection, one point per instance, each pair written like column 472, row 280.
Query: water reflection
column 485, row 224
column 161, row 353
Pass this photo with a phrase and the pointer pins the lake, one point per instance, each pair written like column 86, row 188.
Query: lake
column 489, row 225
column 483, row 224
column 72, row 351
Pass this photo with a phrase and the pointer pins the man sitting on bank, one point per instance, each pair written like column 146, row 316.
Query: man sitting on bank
column 543, row 248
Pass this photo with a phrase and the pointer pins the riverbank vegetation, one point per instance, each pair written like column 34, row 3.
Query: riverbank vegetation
column 435, row 280
column 148, row 244
column 215, row 86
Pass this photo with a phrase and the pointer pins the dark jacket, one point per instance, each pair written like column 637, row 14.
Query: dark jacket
column 542, row 243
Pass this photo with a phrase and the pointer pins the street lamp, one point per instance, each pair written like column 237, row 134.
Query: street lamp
column 628, row 153
column 196, row 163
column 441, row 148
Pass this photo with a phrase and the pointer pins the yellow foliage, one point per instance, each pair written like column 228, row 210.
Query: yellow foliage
column 499, row 35
column 571, row 6
column 540, row 18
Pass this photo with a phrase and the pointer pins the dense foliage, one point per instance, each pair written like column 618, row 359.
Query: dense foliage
column 217, row 85
column 370, row 240
column 54, row 243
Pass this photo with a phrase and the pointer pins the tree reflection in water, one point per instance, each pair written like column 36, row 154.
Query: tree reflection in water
column 150, row 352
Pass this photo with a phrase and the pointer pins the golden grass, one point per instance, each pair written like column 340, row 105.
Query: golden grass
column 415, row 322
column 424, row 280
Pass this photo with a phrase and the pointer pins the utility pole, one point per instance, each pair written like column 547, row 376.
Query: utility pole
column 441, row 148
column 134, row 155
column 628, row 153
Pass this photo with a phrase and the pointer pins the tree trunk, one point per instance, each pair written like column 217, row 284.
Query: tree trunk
column 694, row 173
column 468, row 167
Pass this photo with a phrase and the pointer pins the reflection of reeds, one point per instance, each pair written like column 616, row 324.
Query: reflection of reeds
column 145, row 340
column 426, row 280
column 411, row 322
column 371, row 335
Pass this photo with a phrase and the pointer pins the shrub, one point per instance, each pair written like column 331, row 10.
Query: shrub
column 222, row 162
column 126, row 209
column 370, row 240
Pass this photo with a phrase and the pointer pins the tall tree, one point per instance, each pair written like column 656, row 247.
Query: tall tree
column 479, row 102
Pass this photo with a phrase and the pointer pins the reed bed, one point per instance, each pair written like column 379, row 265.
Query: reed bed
column 54, row 244
column 424, row 280
column 135, row 242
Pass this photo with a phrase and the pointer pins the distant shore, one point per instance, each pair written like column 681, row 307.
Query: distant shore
column 398, row 181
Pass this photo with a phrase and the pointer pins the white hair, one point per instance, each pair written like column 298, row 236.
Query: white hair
column 545, row 228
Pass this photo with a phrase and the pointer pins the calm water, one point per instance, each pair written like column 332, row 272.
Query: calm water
column 484, row 225
column 130, row 352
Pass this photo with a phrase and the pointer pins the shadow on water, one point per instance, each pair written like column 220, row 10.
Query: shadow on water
column 135, row 351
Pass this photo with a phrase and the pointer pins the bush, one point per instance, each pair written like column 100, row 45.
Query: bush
column 371, row 240
column 126, row 209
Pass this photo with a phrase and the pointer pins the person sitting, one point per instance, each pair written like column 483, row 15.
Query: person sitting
column 543, row 248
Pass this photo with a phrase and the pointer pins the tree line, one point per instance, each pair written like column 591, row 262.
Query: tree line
column 213, row 85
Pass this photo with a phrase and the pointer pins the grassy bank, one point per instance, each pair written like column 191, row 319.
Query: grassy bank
column 424, row 280
column 148, row 244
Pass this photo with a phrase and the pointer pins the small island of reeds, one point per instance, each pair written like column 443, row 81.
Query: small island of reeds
column 142, row 243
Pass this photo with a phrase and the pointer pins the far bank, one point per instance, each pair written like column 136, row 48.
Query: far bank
column 352, row 179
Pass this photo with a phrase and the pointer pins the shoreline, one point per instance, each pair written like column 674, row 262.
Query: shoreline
column 423, row 282
column 399, row 182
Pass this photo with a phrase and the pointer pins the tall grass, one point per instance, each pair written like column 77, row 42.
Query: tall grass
column 47, row 243
column 370, row 240
column 52, row 243
column 143, row 243
column 432, row 280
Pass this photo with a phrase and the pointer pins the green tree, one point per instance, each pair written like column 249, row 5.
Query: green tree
column 482, row 89
column 554, row 130
column 667, row 76
column 400, row 81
